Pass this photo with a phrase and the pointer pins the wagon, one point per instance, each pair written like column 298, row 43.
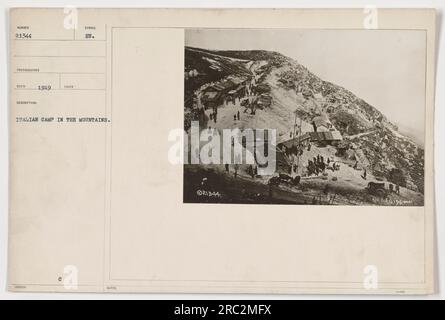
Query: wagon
column 377, row 189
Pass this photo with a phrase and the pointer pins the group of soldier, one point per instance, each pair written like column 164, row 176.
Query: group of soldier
column 318, row 165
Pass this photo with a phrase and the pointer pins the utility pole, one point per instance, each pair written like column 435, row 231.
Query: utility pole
column 298, row 152
column 293, row 139
column 299, row 135
column 295, row 128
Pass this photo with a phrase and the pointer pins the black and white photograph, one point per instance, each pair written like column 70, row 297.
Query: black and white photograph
column 320, row 117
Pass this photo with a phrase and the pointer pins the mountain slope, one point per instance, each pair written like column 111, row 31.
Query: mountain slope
column 297, row 95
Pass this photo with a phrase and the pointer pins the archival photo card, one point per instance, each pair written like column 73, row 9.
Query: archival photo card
column 268, row 151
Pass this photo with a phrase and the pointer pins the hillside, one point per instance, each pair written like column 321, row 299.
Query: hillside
column 281, row 92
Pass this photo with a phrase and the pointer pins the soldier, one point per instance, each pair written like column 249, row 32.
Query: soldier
column 322, row 166
column 251, row 171
column 309, row 167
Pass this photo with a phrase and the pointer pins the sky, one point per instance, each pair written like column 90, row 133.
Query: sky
column 386, row 68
